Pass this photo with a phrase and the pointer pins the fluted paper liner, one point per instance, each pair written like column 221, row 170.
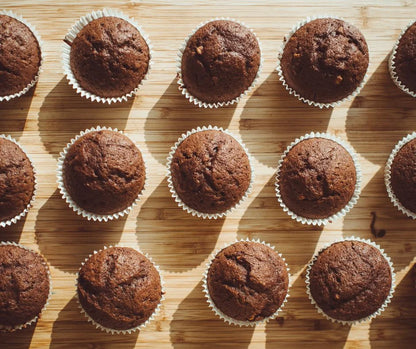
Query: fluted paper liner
column 181, row 84
column 172, row 190
column 30, row 322
column 387, row 176
column 66, row 53
column 392, row 67
column 65, row 195
column 383, row 306
column 295, row 93
column 227, row 318
column 134, row 329
column 38, row 39
column 348, row 206
column 32, row 200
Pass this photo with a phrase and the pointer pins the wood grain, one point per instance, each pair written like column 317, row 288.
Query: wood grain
column 267, row 121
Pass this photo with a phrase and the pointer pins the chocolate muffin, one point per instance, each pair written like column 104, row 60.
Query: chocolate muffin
column 248, row 281
column 20, row 56
column 404, row 61
column 109, row 57
column 350, row 280
column 403, row 175
column 317, row 178
column 119, row 288
column 103, row 172
column 24, row 286
column 17, row 180
column 210, row 171
column 220, row 61
column 325, row 60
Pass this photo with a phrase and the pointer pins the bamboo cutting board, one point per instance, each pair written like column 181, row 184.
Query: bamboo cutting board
column 267, row 120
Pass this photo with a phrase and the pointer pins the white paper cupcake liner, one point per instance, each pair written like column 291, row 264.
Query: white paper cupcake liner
column 392, row 68
column 32, row 200
column 172, row 190
column 181, row 84
column 131, row 330
column 350, row 204
column 66, row 53
column 30, row 322
column 383, row 306
column 65, row 195
column 295, row 93
column 227, row 318
column 387, row 176
column 38, row 39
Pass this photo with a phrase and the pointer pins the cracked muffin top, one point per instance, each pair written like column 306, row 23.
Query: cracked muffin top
column 325, row 60
column 210, row 171
column 24, row 285
column 220, row 61
column 317, row 178
column 109, row 57
column 403, row 175
column 248, row 281
column 119, row 288
column 350, row 280
column 19, row 56
column 103, row 172
column 405, row 59
column 17, row 180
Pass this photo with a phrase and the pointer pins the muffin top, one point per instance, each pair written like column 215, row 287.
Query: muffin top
column 403, row 175
column 325, row 60
column 248, row 281
column 109, row 57
column 350, row 280
column 17, row 180
column 210, row 171
column 19, row 56
column 119, row 288
column 104, row 172
column 405, row 58
column 317, row 178
column 24, row 285
column 220, row 61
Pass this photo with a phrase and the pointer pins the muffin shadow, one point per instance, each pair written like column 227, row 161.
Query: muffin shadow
column 66, row 238
column 379, row 116
column 194, row 325
column 13, row 232
column 398, row 243
column 300, row 325
column 264, row 120
column 396, row 326
column 72, row 325
column 264, row 217
column 20, row 339
column 173, row 115
column 13, row 114
column 175, row 239
column 75, row 114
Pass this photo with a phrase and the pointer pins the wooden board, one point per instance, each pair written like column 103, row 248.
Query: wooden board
column 267, row 121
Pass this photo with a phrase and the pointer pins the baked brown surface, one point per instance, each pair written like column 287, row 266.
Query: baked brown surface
column 19, row 56
column 109, row 57
column 104, row 172
column 350, row 280
column 248, row 281
column 317, row 178
column 403, row 175
column 119, row 288
column 405, row 59
column 210, row 171
column 325, row 60
column 17, row 180
column 220, row 61
column 24, row 285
